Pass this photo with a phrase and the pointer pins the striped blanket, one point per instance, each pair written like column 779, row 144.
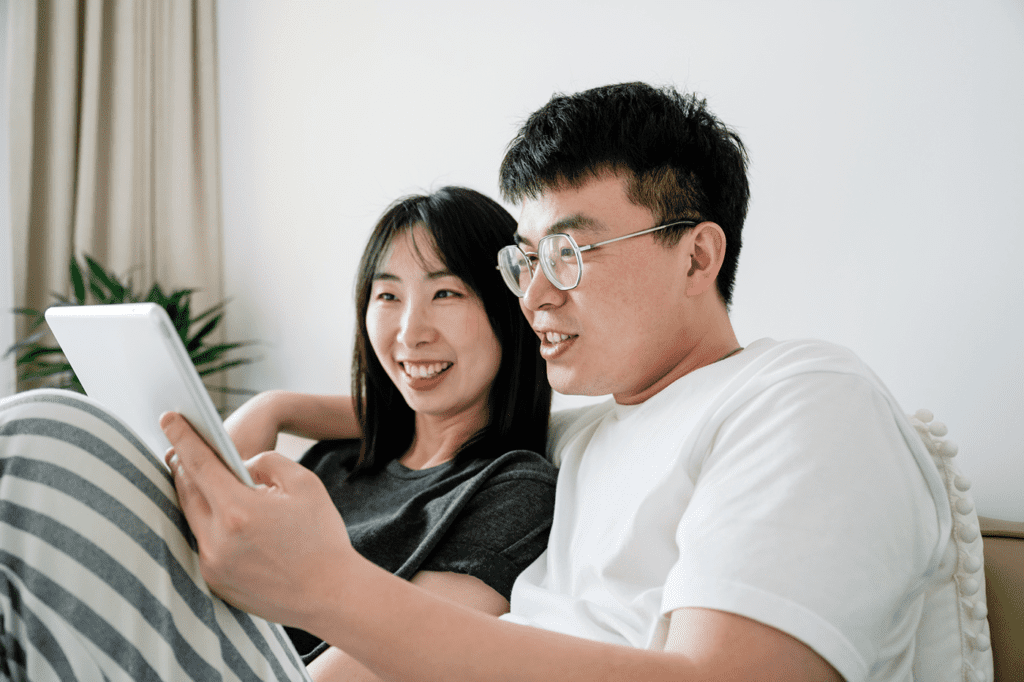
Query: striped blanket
column 99, row 576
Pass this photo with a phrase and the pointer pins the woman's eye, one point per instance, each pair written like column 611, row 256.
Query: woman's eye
column 385, row 296
column 447, row 293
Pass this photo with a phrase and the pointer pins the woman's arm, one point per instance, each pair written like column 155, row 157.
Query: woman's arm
column 335, row 665
column 254, row 426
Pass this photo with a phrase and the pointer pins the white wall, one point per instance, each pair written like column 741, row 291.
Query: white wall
column 887, row 169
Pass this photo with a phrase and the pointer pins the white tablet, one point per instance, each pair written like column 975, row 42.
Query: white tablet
column 130, row 358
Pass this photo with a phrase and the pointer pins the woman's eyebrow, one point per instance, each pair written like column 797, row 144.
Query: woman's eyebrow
column 388, row 277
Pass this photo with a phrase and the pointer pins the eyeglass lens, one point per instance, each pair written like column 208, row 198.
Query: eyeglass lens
column 556, row 256
column 559, row 260
column 515, row 269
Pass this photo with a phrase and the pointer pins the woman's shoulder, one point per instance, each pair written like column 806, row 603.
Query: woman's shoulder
column 525, row 462
column 524, row 467
column 338, row 456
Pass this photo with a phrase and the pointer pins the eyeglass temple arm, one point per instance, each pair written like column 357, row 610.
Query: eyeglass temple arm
column 588, row 247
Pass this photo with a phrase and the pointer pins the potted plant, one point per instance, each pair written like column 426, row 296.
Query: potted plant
column 41, row 362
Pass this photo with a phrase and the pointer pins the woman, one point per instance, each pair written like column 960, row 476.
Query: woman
column 453, row 392
column 440, row 491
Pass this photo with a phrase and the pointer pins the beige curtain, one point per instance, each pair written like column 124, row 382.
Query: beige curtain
column 114, row 145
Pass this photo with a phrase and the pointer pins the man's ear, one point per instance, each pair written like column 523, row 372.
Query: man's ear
column 706, row 252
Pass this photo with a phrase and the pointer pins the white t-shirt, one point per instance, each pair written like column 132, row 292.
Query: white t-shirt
column 783, row 484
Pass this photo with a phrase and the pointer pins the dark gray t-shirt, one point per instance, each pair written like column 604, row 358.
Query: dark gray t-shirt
column 488, row 518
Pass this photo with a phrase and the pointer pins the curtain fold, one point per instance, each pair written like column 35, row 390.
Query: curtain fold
column 114, row 144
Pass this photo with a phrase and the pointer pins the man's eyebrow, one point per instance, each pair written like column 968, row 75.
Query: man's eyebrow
column 580, row 224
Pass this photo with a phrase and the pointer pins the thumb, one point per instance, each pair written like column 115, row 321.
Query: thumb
column 297, row 488
column 194, row 454
column 273, row 470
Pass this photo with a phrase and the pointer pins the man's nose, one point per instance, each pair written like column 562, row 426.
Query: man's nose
column 541, row 293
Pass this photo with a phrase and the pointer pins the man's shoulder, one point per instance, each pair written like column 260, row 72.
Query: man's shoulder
column 801, row 351
column 768, row 360
column 698, row 395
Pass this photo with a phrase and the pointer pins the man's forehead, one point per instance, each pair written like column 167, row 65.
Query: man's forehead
column 589, row 209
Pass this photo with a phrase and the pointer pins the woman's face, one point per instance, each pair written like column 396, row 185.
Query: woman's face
column 431, row 333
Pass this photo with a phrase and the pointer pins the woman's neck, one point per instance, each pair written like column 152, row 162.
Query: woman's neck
column 437, row 439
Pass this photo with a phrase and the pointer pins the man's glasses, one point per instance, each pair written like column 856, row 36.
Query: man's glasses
column 559, row 258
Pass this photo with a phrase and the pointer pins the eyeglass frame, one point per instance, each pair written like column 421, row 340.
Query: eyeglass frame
column 577, row 251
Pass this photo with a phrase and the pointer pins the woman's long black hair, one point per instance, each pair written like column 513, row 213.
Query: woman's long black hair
column 467, row 230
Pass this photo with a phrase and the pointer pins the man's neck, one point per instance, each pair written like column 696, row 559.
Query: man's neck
column 717, row 343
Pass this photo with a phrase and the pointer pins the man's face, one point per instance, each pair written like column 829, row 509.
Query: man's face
column 625, row 326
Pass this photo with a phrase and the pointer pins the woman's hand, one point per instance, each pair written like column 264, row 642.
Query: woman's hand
column 271, row 550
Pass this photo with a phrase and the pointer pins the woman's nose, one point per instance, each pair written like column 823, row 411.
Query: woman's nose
column 416, row 326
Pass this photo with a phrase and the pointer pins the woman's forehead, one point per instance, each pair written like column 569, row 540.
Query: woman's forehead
column 413, row 247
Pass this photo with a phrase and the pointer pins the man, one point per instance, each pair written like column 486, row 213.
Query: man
column 759, row 512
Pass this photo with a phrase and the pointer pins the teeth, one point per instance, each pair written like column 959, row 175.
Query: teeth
column 555, row 337
column 425, row 371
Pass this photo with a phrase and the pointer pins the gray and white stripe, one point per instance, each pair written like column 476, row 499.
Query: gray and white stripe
column 99, row 578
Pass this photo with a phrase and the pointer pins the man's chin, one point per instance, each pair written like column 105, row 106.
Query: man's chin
column 567, row 382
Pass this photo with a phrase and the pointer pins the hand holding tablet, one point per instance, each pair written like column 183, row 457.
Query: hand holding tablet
column 130, row 358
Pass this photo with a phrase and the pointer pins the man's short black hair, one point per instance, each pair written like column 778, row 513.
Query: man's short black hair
column 679, row 160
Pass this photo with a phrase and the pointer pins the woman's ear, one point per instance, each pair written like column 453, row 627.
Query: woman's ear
column 706, row 252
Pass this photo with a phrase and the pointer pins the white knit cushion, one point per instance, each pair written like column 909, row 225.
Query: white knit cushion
column 953, row 638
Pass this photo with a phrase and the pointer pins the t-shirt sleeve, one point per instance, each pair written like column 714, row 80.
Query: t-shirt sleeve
column 807, row 515
column 502, row 529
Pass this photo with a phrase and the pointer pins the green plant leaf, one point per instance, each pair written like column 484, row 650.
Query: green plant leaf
column 181, row 295
column 231, row 391
column 36, row 317
column 212, row 353
column 39, row 352
column 226, row 365
column 156, row 295
column 184, row 321
column 209, row 311
column 97, row 291
column 47, row 369
column 196, row 342
column 179, row 308
column 77, row 281
column 99, row 276
column 27, row 342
